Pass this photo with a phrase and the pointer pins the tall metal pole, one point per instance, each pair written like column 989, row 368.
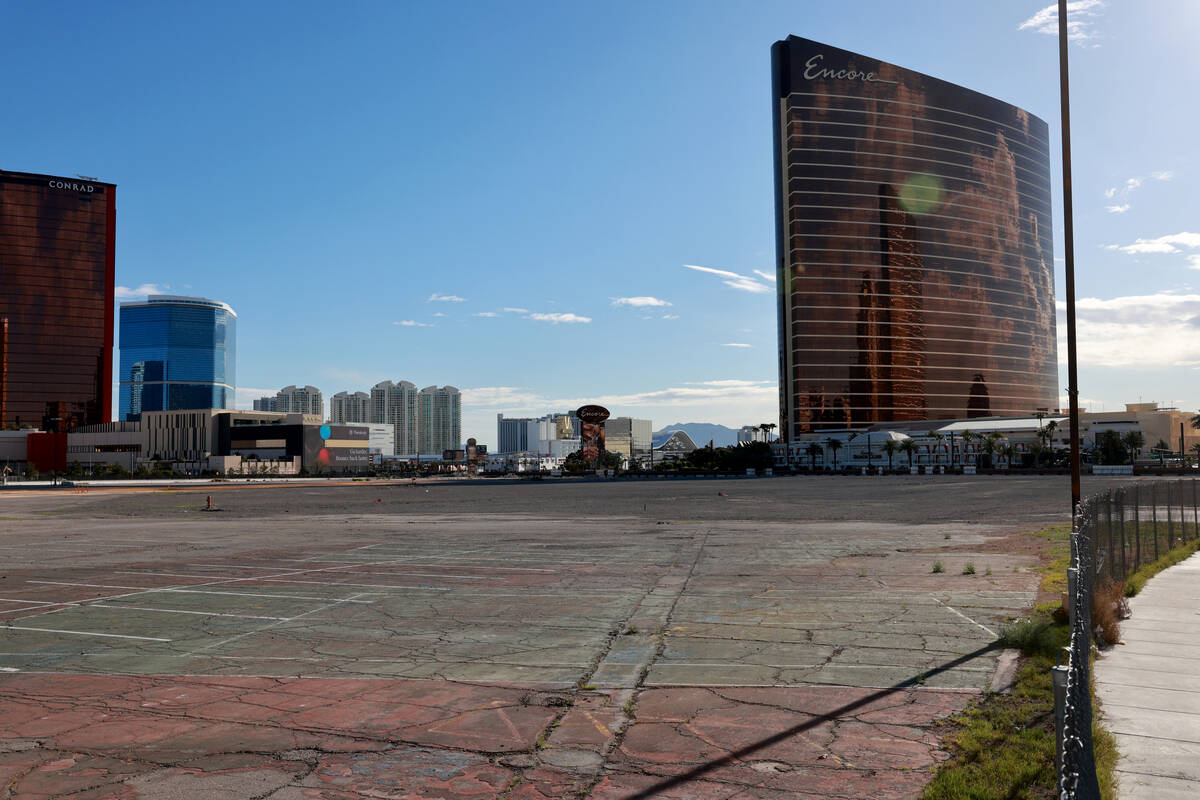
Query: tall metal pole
column 1069, row 243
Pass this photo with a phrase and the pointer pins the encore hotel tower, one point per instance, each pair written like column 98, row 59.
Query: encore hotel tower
column 57, row 250
column 915, row 263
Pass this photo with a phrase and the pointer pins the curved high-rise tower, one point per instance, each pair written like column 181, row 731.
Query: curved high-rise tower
column 914, row 250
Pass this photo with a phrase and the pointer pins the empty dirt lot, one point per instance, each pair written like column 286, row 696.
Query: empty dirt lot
column 761, row 638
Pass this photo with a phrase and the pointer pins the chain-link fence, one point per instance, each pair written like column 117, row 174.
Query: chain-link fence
column 1114, row 534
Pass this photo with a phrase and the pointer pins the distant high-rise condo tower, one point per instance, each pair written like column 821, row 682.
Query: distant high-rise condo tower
column 913, row 240
column 57, row 262
column 300, row 400
column 177, row 353
column 345, row 407
column 439, row 419
column 395, row 404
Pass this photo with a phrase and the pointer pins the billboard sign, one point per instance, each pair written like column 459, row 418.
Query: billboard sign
column 591, row 433
column 336, row 447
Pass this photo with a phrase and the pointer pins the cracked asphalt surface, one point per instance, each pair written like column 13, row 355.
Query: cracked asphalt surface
column 678, row 639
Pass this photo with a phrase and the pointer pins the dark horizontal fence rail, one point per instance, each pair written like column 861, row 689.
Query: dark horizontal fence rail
column 1113, row 535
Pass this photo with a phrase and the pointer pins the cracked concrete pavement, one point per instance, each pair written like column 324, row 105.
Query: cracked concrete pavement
column 502, row 641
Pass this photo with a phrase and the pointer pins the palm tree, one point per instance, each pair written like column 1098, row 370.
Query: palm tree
column 967, row 438
column 1006, row 451
column 909, row 446
column 989, row 445
column 889, row 447
column 1134, row 441
column 1196, row 421
column 834, row 445
column 766, row 428
column 813, row 450
column 938, row 438
column 1037, row 448
column 1196, row 450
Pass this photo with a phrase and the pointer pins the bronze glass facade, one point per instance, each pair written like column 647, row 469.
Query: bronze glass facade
column 57, row 254
column 914, row 250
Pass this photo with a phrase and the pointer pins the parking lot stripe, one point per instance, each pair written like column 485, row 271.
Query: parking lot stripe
column 85, row 633
column 181, row 611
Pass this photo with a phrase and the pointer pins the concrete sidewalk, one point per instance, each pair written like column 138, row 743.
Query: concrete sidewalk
column 1149, row 686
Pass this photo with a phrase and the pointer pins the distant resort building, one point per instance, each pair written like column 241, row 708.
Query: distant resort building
column 676, row 447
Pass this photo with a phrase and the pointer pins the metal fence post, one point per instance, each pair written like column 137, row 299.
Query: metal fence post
column 1170, row 522
column 1108, row 504
column 1059, row 679
column 1154, row 511
column 1120, row 501
column 1137, row 526
column 1195, row 517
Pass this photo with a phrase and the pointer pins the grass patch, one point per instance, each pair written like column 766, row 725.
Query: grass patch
column 1004, row 745
column 1137, row 581
column 939, row 567
column 969, row 568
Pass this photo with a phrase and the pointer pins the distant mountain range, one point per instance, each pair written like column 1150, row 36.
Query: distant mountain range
column 700, row 432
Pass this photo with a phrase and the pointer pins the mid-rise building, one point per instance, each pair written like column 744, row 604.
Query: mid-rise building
column 627, row 436
column 265, row 403
column 914, row 246
column 353, row 407
column 439, row 419
column 57, row 268
column 177, row 353
column 512, row 434
column 300, row 400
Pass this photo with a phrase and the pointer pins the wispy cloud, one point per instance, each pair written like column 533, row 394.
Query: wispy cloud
column 735, row 280
column 412, row 323
column 639, row 302
column 676, row 316
column 1140, row 331
column 439, row 314
column 1081, row 14
column 126, row 293
column 1163, row 244
column 1131, row 185
column 735, row 344
column 485, row 314
column 1194, row 261
column 766, row 276
column 517, row 310
column 559, row 317
column 445, row 298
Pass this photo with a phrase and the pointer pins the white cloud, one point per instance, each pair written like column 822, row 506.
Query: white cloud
column 1134, row 183
column 1163, row 244
column 676, row 316
column 517, row 310
column 506, row 396
column 439, row 314
column 412, row 323
column 1163, row 175
column 486, row 314
column 1142, row 331
column 1194, row 261
column 639, row 302
column 445, row 298
column 1080, row 16
column 125, row 293
column 1110, row 193
column 735, row 280
column 735, row 344
column 559, row 317
column 766, row 276
column 1118, row 209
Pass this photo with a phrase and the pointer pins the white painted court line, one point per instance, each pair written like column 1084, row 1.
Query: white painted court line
column 984, row 628
column 181, row 611
column 177, row 574
column 26, row 600
column 149, row 589
column 265, row 627
column 85, row 633
column 356, row 585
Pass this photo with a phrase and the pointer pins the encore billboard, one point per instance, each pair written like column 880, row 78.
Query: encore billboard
column 591, row 433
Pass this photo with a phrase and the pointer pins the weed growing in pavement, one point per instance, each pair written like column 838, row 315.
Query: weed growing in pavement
column 947, row 536
column 1034, row 637
column 968, row 568
column 987, row 571
column 938, row 567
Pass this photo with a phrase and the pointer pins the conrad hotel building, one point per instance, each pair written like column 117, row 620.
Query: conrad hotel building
column 914, row 251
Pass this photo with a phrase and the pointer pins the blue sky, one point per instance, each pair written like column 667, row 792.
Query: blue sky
column 374, row 187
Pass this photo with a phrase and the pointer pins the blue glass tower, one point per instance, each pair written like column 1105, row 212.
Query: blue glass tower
column 177, row 353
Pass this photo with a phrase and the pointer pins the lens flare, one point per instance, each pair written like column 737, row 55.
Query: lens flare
column 921, row 194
